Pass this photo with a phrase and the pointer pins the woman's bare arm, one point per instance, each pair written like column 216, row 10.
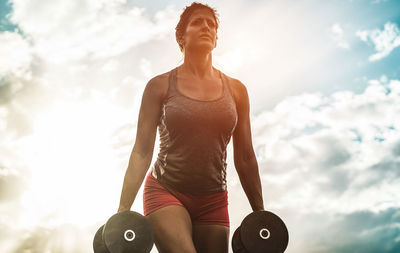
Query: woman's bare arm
column 244, row 157
column 142, row 152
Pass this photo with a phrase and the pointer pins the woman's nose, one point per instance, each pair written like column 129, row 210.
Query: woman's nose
column 205, row 25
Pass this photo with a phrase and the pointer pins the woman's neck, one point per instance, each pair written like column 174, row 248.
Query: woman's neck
column 198, row 65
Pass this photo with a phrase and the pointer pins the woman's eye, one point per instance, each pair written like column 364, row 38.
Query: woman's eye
column 199, row 21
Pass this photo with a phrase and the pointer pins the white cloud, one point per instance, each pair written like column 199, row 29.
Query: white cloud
column 145, row 67
column 3, row 116
column 72, row 30
column 16, row 55
column 385, row 41
column 110, row 66
column 338, row 36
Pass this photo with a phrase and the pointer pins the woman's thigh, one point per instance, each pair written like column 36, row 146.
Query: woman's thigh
column 172, row 230
column 211, row 238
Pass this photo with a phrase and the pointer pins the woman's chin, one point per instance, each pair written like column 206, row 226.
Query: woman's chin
column 201, row 48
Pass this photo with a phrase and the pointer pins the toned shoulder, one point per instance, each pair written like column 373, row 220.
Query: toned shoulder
column 237, row 87
column 158, row 85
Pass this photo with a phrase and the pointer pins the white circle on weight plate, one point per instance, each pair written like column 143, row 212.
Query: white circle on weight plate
column 129, row 235
column 263, row 236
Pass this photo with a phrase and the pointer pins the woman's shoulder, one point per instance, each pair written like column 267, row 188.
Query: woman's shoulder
column 160, row 79
column 159, row 84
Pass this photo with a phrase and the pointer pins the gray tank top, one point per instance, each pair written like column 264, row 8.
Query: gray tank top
column 194, row 135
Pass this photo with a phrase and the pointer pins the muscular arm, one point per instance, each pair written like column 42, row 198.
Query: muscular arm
column 244, row 157
column 142, row 152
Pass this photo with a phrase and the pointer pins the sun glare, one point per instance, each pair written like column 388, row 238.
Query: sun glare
column 76, row 176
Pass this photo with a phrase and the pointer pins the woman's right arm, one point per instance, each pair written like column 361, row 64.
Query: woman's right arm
column 142, row 152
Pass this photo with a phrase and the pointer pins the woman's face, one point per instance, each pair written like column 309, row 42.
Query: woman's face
column 201, row 31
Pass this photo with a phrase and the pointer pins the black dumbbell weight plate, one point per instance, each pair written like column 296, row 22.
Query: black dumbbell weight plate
column 98, row 243
column 237, row 245
column 264, row 232
column 127, row 232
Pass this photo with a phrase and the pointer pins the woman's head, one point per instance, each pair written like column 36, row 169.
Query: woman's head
column 185, row 18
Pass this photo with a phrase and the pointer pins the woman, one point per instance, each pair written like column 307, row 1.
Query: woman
column 196, row 109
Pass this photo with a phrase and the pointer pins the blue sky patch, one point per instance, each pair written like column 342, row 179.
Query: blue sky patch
column 5, row 11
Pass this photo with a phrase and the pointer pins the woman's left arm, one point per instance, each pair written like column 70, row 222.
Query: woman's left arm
column 244, row 157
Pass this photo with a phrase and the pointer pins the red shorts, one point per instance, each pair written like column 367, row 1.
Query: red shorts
column 210, row 209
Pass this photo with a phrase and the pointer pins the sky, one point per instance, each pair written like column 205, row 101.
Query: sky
column 323, row 79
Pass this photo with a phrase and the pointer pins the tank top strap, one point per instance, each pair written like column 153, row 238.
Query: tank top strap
column 172, row 81
column 171, row 90
column 227, row 87
column 224, row 85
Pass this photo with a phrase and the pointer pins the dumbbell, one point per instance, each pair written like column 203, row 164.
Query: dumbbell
column 260, row 232
column 124, row 232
